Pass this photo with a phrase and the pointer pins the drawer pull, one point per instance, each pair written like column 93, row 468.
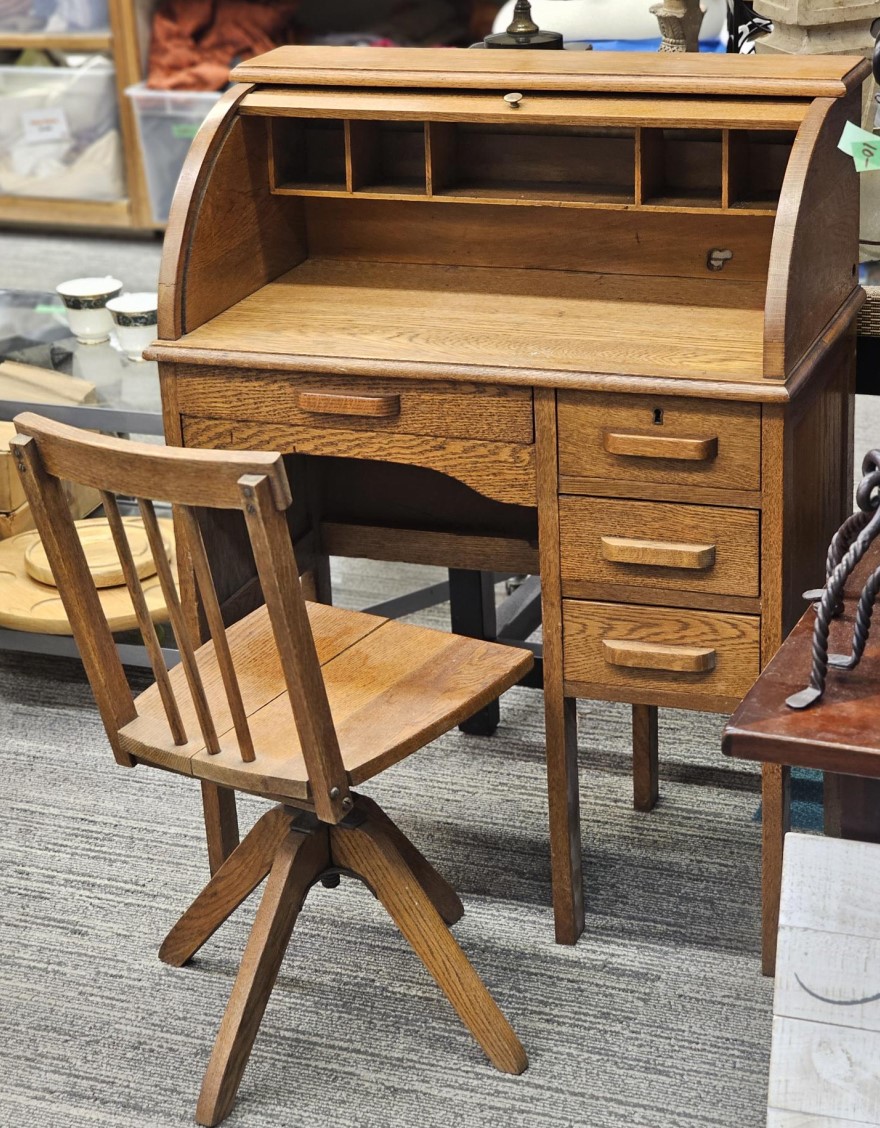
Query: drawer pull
column 659, row 554
column 648, row 444
column 638, row 655
column 339, row 403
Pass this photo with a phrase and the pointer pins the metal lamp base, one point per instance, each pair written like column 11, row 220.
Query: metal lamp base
column 536, row 40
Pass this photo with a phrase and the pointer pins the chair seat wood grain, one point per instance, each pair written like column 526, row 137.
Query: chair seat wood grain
column 392, row 688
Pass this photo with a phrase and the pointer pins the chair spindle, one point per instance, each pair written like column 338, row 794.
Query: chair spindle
column 145, row 621
column 178, row 625
column 214, row 615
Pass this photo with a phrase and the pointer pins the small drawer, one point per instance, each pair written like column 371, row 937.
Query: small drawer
column 658, row 655
column 413, row 407
column 698, row 548
column 657, row 439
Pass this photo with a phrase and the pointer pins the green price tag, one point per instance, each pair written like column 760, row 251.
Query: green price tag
column 185, row 130
column 862, row 146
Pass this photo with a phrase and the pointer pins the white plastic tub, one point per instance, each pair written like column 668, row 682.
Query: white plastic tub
column 55, row 17
column 167, row 122
column 59, row 135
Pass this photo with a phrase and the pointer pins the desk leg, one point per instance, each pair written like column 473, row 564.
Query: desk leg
column 472, row 613
column 565, row 815
column 316, row 583
column 775, row 823
column 221, row 823
column 646, row 785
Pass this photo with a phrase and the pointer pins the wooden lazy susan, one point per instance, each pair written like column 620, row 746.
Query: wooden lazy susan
column 29, row 600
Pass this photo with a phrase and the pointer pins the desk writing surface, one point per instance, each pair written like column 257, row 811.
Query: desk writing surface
column 556, row 320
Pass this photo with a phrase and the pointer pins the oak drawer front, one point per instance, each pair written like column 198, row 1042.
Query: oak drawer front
column 466, row 411
column 676, row 441
column 698, row 548
column 640, row 651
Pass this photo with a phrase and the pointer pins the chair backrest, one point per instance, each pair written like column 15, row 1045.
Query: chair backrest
column 48, row 453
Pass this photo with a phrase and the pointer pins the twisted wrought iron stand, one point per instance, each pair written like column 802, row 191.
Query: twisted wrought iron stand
column 849, row 545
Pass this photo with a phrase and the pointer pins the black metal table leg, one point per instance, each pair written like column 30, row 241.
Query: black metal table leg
column 472, row 613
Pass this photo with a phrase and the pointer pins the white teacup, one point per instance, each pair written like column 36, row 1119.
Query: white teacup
column 135, row 316
column 86, row 301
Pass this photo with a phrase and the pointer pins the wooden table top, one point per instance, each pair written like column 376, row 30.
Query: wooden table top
column 841, row 733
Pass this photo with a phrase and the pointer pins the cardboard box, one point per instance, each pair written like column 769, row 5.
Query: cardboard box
column 83, row 500
column 11, row 492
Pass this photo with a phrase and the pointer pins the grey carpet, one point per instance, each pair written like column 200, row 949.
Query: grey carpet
column 658, row 1017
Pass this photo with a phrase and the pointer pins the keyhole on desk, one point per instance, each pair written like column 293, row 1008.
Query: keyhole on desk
column 658, row 416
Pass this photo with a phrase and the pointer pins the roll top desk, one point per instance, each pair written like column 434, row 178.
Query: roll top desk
column 600, row 332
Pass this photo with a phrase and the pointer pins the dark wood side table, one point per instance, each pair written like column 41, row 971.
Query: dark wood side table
column 840, row 735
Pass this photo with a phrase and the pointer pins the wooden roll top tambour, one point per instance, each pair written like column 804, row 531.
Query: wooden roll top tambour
column 604, row 332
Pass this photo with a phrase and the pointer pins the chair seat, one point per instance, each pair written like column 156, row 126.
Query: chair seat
column 392, row 689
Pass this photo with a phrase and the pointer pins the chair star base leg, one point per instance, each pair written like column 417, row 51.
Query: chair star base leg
column 370, row 851
column 231, row 885
column 298, row 864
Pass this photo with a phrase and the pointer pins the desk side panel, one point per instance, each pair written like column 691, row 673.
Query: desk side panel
column 814, row 256
column 228, row 235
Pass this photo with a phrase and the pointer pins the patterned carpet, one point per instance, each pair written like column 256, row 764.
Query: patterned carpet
column 659, row 1017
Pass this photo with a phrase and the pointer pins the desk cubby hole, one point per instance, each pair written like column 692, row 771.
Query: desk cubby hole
column 679, row 168
column 308, row 156
column 386, row 157
column 755, row 163
column 526, row 164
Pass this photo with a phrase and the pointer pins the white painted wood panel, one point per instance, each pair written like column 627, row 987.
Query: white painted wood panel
column 831, row 885
column 825, row 1070
column 828, row 977
column 779, row 1118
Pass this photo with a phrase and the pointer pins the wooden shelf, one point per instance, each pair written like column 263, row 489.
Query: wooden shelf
column 122, row 43
column 86, row 41
column 404, row 190
column 576, row 195
column 685, row 170
column 58, row 213
column 684, row 198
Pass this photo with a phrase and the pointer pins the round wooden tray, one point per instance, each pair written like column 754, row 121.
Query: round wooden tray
column 101, row 557
column 27, row 605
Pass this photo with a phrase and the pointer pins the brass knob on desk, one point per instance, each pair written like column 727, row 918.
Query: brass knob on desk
column 513, row 100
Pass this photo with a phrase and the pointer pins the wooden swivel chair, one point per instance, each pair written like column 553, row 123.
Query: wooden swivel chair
column 297, row 703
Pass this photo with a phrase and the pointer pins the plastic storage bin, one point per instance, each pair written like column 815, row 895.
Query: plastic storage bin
column 167, row 122
column 54, row 17
column 59, row 133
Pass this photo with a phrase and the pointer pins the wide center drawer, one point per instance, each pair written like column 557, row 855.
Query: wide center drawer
column 657, row 439
column 698, row 548
column 414, row 407
column 659, row 655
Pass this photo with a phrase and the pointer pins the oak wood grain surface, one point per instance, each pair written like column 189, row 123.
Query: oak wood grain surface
column 503, row 471
column 733, row 638
column 678, row 547
column 551, row 109
column 424, row 407
column 377, row 717
column 585, row 421
column 427, row 313
column 763, row 75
